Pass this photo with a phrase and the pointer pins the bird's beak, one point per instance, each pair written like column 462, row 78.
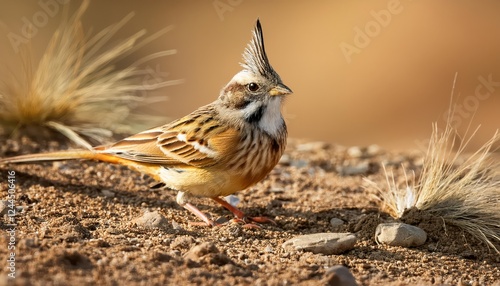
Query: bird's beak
column 280, row 89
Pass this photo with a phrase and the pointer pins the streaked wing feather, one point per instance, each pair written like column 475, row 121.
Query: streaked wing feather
column 192, row 149
column 196, row 140
column 141, row 147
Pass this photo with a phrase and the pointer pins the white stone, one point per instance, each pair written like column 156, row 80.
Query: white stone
column 400, row 234
column 152, row 220
column 325, row 243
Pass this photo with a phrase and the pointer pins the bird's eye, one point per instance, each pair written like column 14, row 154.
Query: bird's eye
column 253, row 86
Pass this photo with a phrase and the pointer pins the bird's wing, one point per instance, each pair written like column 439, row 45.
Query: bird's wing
column 197, row 140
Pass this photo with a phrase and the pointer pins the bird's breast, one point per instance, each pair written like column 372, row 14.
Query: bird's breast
column 251, row 159
column 257, row 155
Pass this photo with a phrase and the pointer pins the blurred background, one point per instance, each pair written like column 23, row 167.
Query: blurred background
column 362, row 72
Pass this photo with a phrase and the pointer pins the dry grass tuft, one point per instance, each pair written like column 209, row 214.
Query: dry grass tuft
column 75, row 89
column 463, row 189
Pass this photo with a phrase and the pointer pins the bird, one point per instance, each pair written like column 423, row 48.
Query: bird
column 219, row 149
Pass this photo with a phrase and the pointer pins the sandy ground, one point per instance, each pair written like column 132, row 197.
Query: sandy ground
column 77, row 226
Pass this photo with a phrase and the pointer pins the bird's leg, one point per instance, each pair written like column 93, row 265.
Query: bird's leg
column 182, row 200
column 199, row 214
column 241, row 215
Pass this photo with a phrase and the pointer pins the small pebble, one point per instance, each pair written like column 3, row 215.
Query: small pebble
column 299, row 163
column 232, row 200
column 365, row 152
column 373, row 150
column 340, row 275
column 355, row 152
column 277, row 190
column 269, row 249
column 400, row 234
column 176, row 225
column 336, row 222
column 152, row 220
column 108, row 193
column 324, row 243
column 351, row 170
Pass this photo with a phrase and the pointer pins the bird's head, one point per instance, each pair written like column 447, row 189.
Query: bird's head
column 256, row 92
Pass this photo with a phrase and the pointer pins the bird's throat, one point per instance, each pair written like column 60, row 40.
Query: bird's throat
column 270, row 119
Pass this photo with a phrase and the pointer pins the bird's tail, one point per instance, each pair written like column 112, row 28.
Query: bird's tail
column 67, row 155
column 95, row 154
column 52, row 156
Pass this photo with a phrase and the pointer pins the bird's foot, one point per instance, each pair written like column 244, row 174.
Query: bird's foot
column 240, row 216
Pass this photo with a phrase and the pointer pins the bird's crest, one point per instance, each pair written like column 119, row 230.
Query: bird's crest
column 255, row 58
